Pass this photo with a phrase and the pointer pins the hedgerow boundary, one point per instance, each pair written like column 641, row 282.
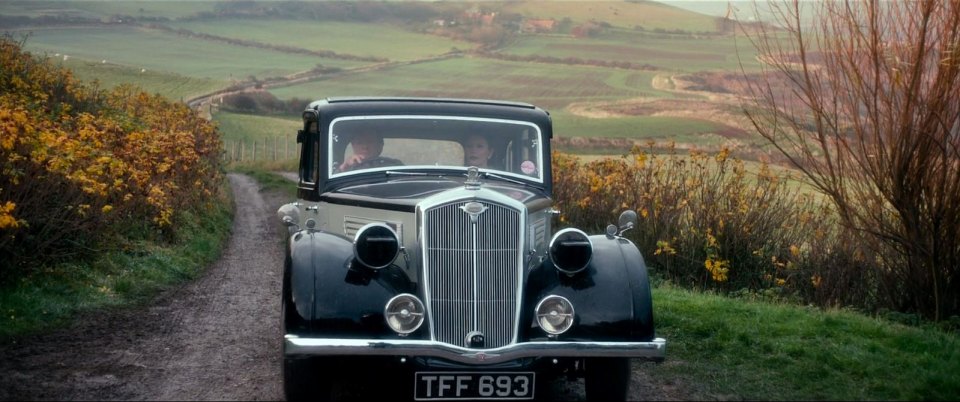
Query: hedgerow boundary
column 708, row 223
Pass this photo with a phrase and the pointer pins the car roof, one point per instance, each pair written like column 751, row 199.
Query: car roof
column 367, row 99
column 331, row 108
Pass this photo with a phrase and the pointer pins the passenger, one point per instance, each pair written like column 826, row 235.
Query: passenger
column 367, row 147
column 477, row 151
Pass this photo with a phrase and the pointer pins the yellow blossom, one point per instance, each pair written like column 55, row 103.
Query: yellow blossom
column 664, row 247
column 816, row 280
column 718, row 269
column 7, row 221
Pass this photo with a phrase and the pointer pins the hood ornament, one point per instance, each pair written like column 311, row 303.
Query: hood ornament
column 473, row 178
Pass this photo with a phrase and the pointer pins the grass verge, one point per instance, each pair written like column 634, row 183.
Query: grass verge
column 54, row 295
column 725, row 348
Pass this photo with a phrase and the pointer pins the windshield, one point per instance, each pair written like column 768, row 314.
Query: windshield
column 361, row 144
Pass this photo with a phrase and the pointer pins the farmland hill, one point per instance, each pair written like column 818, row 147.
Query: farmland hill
column 613, row 74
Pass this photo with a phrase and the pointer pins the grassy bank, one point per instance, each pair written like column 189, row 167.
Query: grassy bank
column 725, row 348
column 131, row 275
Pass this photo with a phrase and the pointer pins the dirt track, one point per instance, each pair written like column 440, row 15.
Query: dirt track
column 216, row 338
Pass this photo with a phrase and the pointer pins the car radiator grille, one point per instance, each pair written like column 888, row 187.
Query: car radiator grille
column 472, row 272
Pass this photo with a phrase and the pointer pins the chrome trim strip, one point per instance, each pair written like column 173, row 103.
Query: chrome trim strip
column 476, row 284
column 294, row 345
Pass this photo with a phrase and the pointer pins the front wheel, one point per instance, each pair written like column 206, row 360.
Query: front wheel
column 302, row 381
column 607, row 378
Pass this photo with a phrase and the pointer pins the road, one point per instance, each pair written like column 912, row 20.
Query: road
column 215, row 338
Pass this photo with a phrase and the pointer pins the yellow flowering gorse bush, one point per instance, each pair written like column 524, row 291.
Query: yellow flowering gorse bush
column 76, row 161
column 706, row 222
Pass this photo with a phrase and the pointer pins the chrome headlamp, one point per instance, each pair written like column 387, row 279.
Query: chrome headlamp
column 571, row 250
column 376, row 245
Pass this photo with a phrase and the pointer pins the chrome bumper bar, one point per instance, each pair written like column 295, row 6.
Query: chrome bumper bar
column 296, row 346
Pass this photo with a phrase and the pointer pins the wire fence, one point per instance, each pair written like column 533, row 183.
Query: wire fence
column 266, row 149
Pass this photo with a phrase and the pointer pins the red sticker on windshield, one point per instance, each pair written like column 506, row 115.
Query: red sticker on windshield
column 527, row 167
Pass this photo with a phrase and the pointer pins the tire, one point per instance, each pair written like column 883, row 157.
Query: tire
column 301, row 382
column 607, row 379
column 303, row 378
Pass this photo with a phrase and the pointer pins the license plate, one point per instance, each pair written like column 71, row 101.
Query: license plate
column 446, row 385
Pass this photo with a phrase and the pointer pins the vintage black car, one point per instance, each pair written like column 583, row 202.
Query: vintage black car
column 422, row 250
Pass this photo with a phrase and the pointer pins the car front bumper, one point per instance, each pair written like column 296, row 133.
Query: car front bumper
column 294, row 345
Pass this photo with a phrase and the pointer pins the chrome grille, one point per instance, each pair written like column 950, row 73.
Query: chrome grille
column 473, row 273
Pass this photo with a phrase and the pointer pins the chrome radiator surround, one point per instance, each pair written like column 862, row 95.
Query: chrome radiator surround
column 472, row 246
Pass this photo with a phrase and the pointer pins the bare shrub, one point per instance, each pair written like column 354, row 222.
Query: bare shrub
column 865, row 102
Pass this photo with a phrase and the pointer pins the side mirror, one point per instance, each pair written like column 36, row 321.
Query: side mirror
column 627, row 221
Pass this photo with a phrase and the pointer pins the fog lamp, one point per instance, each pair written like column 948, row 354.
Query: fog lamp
column 404, row 313
column 555, row 314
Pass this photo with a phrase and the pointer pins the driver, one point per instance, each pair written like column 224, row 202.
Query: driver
column 367, row 147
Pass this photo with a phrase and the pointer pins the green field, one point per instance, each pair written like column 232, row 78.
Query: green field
column 155, row 50
column 358, row 39
column 266, row 138
column 670, row 53
column 249, row 128
column 102, row 9
column 172, row 86
column 552, row 86
column 628, row 14
column 657, row 128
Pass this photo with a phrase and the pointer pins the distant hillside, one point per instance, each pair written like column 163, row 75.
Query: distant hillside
column 649, row 15
column 631, row 14
column 742, row 10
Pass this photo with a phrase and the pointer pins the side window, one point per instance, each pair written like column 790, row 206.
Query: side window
column 309, row 152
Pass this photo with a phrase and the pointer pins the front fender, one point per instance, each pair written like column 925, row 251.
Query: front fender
column 333, row 293
column 611, row 296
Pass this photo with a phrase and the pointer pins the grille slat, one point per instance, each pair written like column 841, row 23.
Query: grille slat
column 464, row 298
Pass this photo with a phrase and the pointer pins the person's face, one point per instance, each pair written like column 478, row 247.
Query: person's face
column 366, row 145
column 477, row 152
